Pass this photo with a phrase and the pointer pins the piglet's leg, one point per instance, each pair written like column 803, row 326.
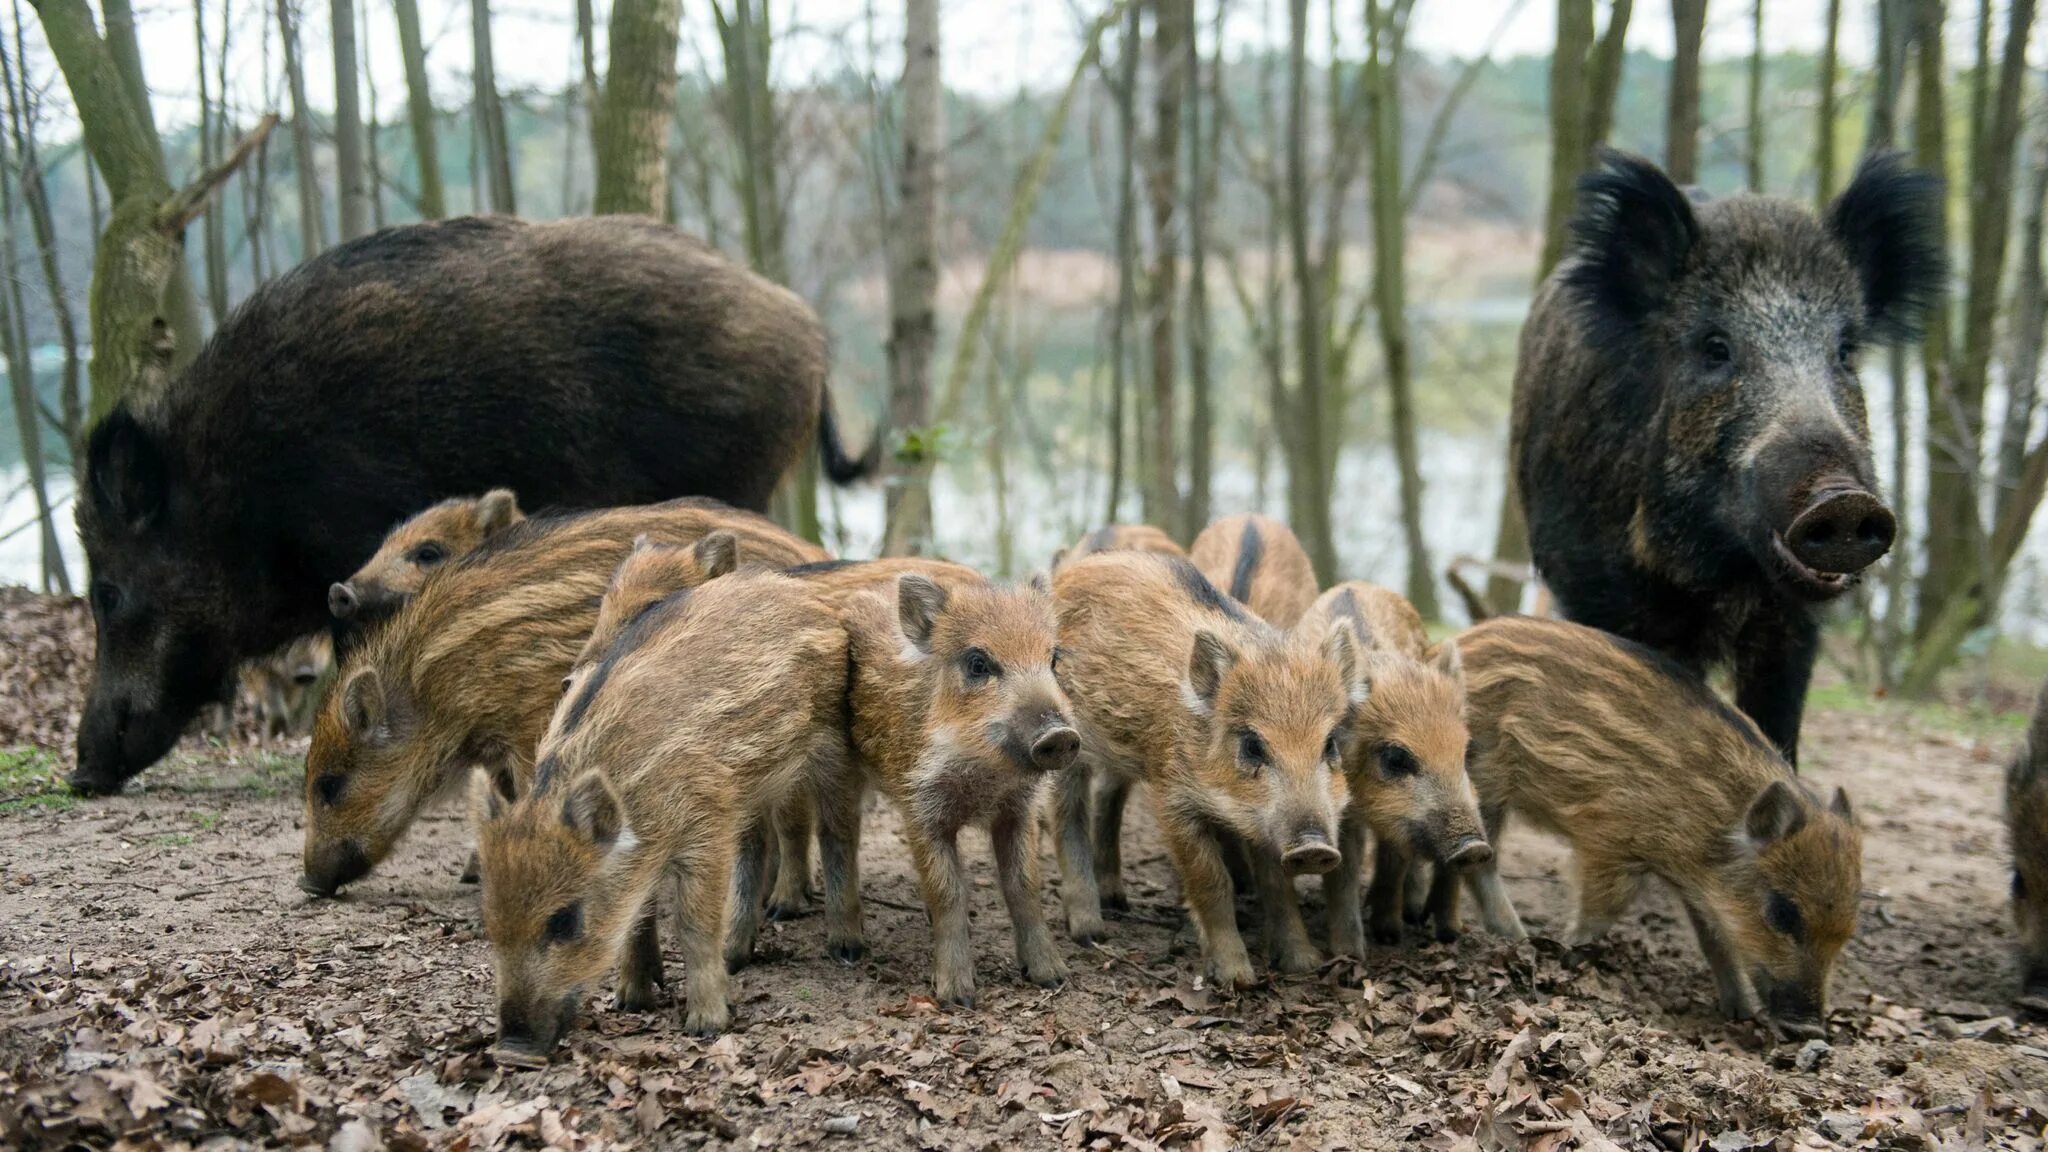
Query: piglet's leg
column 1391, row 864
column 1014, row 835
column 1605, row 893
column 1078, row 890
column 703, row 887
column 640, row 970
column 1340, row 888
column 1286, row 936
column 1205, row 881
column 1110, row 793
column 794, row 822
column 944, row 882
column 1738, row 996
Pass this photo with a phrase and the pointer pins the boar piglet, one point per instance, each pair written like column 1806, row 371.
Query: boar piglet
column 958, row 720
column 1646, row 772
column 1261, row 563
column 446, row 532
column 1237, row 728
column 1405, row 761
column 466, row 674
column 668, row 759
column 2026, row 815
column 283, row 688
column 1118, row 538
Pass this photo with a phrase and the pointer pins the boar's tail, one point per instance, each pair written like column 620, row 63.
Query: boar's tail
column 844, row 469
column 1475, row 604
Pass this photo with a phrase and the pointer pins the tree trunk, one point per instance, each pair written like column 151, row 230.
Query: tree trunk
column 419, row 107
column 312, row 217
column 373, row 163
column 348, row 123
column 1753, row 138
column 213, row 240
column 1172, row 29
column 914, row 283
column 1307, row 481
column 1682, row 117
column 1951, row 513
column 1894, row 34
column 14, row 344
column 1123, row 318
column 638, row 107
column 2029, row 316
column 36, row 198
column 490, row 112
column 1603, row 74
column 1824, row 126
column 1204, row 139
column 586, row 39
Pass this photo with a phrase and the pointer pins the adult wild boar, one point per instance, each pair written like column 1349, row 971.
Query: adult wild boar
column 1689, row 432
column 582, row 363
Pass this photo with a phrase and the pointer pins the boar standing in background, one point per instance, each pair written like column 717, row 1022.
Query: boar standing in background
column 467, row 672
column 1236, row 728
column 956, row 718
column 582, row 363
column 2026, row 816
column 1646, row 772
column 446, row 532
column 1261, row 563
column 706, row 712
column 283, row 689
column 1689, row 434
column 1405, row 760
column 1118, row 538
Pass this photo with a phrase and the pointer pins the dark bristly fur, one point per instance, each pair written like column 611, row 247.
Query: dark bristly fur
column 583, row 363
column 1250, row 550
column 1262, row 563
column 2026, row 818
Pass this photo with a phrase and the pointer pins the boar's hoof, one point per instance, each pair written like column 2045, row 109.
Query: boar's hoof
column 707, row 1025
column 1446, row 933
column 638, row 999
column 780, row 911
column 1115, row 902
column 92, row 784
column 1046, row 975
column 473, row 871
column 1808, row 1028
column 961, row 998
column 1386, row 935
column 847, row 952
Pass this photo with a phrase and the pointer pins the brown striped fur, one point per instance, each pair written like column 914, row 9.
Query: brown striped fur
column 667, row 761
column 1646, row 772
column 468, row 671
column 1260, row 563
column 1405, row 760
column 2026, row 815
column 958, row 719
column 1118, row 538
column 1236, row 728
column 284, row 688
column 441, row 535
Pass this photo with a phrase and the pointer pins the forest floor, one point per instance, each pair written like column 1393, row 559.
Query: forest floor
column 164, row 983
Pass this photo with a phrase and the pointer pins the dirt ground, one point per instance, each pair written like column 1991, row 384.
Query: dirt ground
column 163, row 983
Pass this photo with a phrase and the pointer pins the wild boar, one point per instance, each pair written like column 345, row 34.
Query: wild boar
column 447, row 531
column 467, row 672
column 1118, row 538
column 2026, row 816
column 582, row 363
column 1405, row 761
column 1261, row 563
column 1688, row 430
column 707, row 711
column 283, row 689
column 1237, row 729
column 1646, row 772
column 958, row 719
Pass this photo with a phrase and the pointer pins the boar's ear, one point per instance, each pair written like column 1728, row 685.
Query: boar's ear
column 1777, row 812
column 717, row 554
column 1889, row 222
column 496, row 511
column 1341, row 644
column 1208, row 663
column 1448, row 660
column 126, row 468
column 592, row 810
column 919, row 601
column 1040, row 583
column 364, row 708
column 1839, row 804
column 1631, row 234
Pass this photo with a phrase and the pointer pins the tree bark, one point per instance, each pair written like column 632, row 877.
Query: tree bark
column 1951, row 508
column 2029, row 316
column 419, row 107
column 28, row 419
column 490, row 112
column 1123, row 317
column 312, row 216
column 213, row 239
column 1753, row 138
column 1824, row 126
column 1682, row 116
column 373, row 163
column 1307, row 481
column 36, row 198
column 1204, row 139
column 348, row 122
column 1603, row 73
column 1172, row 29
column 638, row 108
column 913, row 285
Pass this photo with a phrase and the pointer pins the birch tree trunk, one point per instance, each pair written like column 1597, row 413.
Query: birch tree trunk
column 914, row 284
column 1124, row 315
column 348, row 122
column 312, row 216
column 1682, row 116
column 2029, row 316
column 1950, row 511
column 638, row 107
column 419, row 107
column 490, row 112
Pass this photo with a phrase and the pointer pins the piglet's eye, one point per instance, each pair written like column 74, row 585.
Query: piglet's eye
column 1396, row 761
column 566, row 924
column 1250, row 748
column 977, row 666
column 1783, row 915
column 429, row 554
column 2019, row 887
column 328, row 786
column 1845, row 353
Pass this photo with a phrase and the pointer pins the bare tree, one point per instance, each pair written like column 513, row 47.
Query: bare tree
column 23, row 116
column 1307, row 480
column 373, row 162
column 213, row 236
column 312, row 217
column 419, row 106
column 1205, row 120
column 1603, row 72
column 1172, row 28
column 1682, row 119
column 14, row 346
column 914, row 282
column 1753, row 138
column 348, row 122
column 489, row 112
column 638, row 107
column 1123, row 313
column 1824, row 126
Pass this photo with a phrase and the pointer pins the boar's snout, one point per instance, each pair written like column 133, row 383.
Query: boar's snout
column 332, row 866
column 118, row 739
column 1843, row 531
column 1795, row 1011
column 1055, row 748
column 342, row 601
column 527, row 1037
column 1470, row 850
column 1311, row 852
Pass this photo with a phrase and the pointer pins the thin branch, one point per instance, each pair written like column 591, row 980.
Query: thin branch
column 188, row 202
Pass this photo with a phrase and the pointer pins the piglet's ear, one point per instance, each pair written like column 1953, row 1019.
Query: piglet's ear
column 1342, row 646
column 1777, row 812
column 1889, row 220
column 591, row 809
column 717, row 554
column 1631, row 234
column 1448, row 661
column 126, row 471
column 919, row 603
column 491, row 793
column 1839, row 805
column 1208, row 663
column 497, row 510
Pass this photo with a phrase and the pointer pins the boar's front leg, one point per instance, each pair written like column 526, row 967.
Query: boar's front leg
column 1014, row 834
column 1391, row 866
column 839, row 816
column 1079, row 893
column 1340, row 888
column 1211, row 899
column 1605, row 892
column 640, row 970
column 944, row 882
column 1738, row 996
column 703, row 888
column 1286, row 936
column 1774, row 655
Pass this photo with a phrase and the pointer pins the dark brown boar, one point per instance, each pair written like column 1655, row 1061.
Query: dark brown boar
column 708, row 711
column 1261, row 564
column 2026, row 817
column 1689, row 434
column 1646, row 772
column 467, row 672
column 1118, row 538
column 445, row 532
column 958, row 719
column 1237, row 728
column 582, row 363
column 1405, row 760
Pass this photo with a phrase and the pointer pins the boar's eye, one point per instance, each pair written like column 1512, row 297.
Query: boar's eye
column 1716, row 352
column 1783, row 915
column 2019, row 886
column 328, row 786
column 977, row 666
column 105, row 598
column 1250, row 749
column 1055, row 665
column 1845, row 354
column 429, row 554
column 1396, row 761
column 566, row 925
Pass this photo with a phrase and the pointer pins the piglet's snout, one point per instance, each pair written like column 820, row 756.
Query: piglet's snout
column 1055, row 747
column 1310, row 852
